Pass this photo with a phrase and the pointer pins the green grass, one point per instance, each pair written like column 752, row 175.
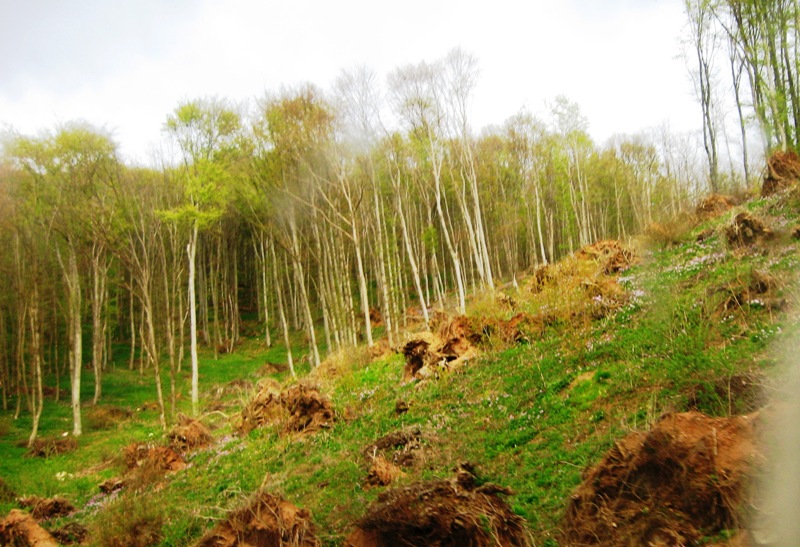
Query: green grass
column 530, row 417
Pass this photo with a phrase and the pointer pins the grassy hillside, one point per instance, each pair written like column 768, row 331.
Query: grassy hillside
column 693, row 323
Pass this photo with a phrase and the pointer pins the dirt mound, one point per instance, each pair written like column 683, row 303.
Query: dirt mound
column 746, row 230
column 382, row 472
column 441, row 513
column 266, row 520
column 44, row 448
column 71, row 534
column 714, row 205
column 301, row 408
column 783, row 171
column 20, row 529
column 450, row 346
column 308, row 409
column 188, row 435
column 47, row 508
column 610, row 255
column 683, row 479
column 160, row 458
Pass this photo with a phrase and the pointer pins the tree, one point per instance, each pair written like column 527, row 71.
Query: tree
column 206, row 131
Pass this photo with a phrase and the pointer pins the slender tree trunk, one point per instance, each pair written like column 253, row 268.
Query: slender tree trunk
column 191, row 250
column 281, row 314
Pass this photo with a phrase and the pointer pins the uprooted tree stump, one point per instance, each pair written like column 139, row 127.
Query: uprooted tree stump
column 20, row 528
column 683, row 479
column 266, row 520
column 746, row 230
column 428, row 352
column 714, row 205
column 300, row 408
column 783, row 171
column 47, row 508
column 441, row 513
column 189, row 434
column 611, row 255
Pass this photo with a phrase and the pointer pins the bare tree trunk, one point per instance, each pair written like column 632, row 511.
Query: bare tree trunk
column 301, row 285
column 73, row 285
column 191, row 250
column 281, row 314
column 37, row 396
column 99, row 282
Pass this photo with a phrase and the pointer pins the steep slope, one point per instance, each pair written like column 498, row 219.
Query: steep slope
column 527, row 393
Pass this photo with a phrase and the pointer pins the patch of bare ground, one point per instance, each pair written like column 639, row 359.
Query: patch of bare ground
column 266, row 520
column 72, row 533
column 47, row 508
column 21, row 529
column 441, row 513
column 682, row 480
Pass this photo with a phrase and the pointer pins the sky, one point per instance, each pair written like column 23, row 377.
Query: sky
column 124, row 65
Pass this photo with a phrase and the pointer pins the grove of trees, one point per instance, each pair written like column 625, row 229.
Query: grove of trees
column 314, row 213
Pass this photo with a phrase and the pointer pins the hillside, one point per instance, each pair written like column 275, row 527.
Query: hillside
column 491, row 419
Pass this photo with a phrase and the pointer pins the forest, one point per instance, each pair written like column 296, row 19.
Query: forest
column 322, row 220
column 347, row 316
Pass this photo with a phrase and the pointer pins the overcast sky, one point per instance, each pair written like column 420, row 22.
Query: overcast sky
column 125, row 64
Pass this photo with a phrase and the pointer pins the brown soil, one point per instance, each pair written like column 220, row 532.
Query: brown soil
column 795, row 233
column 156, row 460
column 188, row 435
column 783, row 171
column 610, row 255
column 44, row 448
column 450, row 346
column 308, row 409
column 683, row 479
column 266, row 520
column 111, row 485
column 746, row 230
column 20, row 529
column 441, row 513
column 375, row 317
column 382, row 472
column 300, row 408
column 71, row 534
column 47, row 508
column 713, row 206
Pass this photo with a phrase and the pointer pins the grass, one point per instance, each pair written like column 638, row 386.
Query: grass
column 530, row 417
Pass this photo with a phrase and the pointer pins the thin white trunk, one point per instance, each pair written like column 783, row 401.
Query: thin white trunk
column 191, row 250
